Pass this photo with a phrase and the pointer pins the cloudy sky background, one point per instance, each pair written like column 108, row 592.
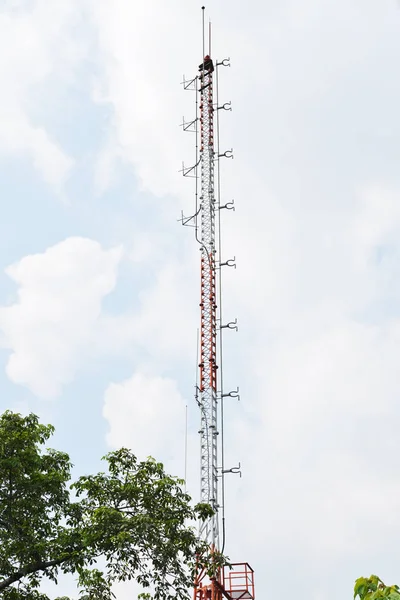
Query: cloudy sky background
column 99, row 283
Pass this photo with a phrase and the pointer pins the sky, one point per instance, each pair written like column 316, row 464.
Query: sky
column 99, row 282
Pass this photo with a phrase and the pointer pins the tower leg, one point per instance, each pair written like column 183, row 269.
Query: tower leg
column 208, row 592
column 213, row 590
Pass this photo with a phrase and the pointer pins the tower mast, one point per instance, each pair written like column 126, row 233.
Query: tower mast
column 238, row 583
column 208, row 306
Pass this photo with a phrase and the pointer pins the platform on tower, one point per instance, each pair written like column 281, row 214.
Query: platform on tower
column 239, row 581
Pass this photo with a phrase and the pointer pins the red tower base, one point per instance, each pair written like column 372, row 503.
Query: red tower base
column 234, row 583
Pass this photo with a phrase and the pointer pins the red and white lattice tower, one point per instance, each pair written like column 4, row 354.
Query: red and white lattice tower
column 208, row 306
column 236, row 583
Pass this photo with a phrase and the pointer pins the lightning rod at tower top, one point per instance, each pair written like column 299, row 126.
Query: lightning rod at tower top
column 237, row 581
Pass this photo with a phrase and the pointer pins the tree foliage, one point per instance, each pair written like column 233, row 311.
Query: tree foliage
column 373, row 588
column 133, row 517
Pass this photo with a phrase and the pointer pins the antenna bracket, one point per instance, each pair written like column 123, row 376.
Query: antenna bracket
column 189, row 125
column 234, row 470
column 232, row 394
column 186, row 171
column 231, row 325
column 226, row 106
column 228, row 205
column 226, row 154
column 231, row 262
column 189, row 84
column 224, row 63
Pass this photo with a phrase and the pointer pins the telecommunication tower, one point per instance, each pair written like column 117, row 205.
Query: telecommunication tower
column 237, row 582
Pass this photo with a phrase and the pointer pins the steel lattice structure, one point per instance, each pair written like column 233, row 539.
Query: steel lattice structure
column 208, row 305
column 237, row 582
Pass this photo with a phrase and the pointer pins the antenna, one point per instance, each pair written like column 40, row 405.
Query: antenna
column 186, row 444
column 237, row 582
column 203, row 8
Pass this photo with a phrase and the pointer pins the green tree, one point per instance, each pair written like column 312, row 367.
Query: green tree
column 373, row 588
column 133, row 517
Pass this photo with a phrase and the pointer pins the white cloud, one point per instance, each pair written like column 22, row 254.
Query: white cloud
column 146, row 116
column 378, row 221
column 50, row 325
column 322, row 385
column 18, row 136
column 165, row 325
column 33, row 67
column 147, row 414
column 161, row 325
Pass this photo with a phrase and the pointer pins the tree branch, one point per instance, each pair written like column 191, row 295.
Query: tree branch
column 32, row 568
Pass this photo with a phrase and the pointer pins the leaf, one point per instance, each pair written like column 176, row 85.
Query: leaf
column 360, row 587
